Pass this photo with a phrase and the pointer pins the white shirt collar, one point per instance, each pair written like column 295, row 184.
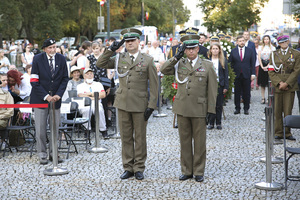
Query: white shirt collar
column 49, row 56
column 135, row 55
column 194, row 61
column 286, row 50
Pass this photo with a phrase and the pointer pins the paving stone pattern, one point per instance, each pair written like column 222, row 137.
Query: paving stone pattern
column 232, row 167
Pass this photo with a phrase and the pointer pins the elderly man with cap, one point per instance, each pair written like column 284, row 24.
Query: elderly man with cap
column 283, row 70
column 49, row 79
column 195, row 98
column 136, row 71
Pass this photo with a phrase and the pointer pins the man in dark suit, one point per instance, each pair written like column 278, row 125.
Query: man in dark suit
column 248, row 43
column 49, row 78
column 243, row 63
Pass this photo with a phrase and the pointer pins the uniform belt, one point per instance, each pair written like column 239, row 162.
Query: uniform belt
column 285, row 71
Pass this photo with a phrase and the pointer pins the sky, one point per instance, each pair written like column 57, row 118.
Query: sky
column 271, row 16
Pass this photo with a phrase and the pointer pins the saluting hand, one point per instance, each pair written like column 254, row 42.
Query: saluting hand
column 116, row 45
column 180, row 52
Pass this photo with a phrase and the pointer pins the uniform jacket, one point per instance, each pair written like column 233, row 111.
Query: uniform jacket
column 6, row 98
column 247, row 66
column 43, row 83
column 132, row 94
column 197, row 96
column 290, row 71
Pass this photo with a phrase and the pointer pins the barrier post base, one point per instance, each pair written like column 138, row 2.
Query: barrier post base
column 115, row 136
column 169, row 108
column 98, row 150
column 268, row 186
column 160, row 115
column 274, row 160
column 55, row 171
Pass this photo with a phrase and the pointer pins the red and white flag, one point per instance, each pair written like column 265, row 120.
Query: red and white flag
column 271, row 68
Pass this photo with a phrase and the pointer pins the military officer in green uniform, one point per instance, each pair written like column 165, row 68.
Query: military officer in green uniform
column 196, row 96
column 283, row 70
column 135, row 70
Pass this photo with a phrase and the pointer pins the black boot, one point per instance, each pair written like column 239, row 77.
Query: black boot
column 104, row 135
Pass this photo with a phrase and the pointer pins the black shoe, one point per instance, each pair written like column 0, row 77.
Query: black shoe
column 219, row 127
column 209, row 127
column 139, row 175
column 199, row 178
column 126, row 175
column 236, row 112
column 278, row 137
column 104, row 135
column 246, row 112
column 176, row 126
column 109, row 123
column 291, row 138
column 185, row 177
column 43, row 161
column 59, row 160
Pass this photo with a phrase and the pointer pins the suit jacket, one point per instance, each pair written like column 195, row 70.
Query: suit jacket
column 197, row 96
column 247, row 66
column 289, row 72
column 162, row 48
column 203, row 51
column 223, row 75
column 251, row 45
column 132, row 94
column 173, row 51
column 42, row 81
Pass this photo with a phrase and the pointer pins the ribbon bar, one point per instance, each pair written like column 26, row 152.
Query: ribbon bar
column 23, row 105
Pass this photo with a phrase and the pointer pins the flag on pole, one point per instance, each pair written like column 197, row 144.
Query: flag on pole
column 101, row 2
column 147, row 16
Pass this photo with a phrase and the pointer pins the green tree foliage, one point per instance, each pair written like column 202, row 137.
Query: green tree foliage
column 39, row 19
column 229, row 15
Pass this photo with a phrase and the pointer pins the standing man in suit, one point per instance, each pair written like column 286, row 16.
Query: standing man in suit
column 49, row 79
column 249, row 44
column 243, row 63
column 283, row 70
column 165, row 48
column 135, row 70
column 196, row 96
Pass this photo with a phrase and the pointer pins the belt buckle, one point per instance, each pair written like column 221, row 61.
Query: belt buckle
column 282, row 71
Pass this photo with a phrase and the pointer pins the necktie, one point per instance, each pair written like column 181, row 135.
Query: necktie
column 191, row 62
column 241, row 54
column 132, row 59
column 51, row 66
column 283, row 52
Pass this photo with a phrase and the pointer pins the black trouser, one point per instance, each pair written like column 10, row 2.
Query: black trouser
column 219, row 107
column 105, row 108
column 242, row 87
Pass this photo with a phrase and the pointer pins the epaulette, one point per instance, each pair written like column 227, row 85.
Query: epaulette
column 145, row 54
column 207, row 60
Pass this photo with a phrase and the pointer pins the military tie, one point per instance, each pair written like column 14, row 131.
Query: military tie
column 283, row 52
column 191, row 62
column 51, row 66
column 132, row 59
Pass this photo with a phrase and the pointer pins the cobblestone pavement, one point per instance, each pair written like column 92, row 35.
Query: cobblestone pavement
column 232, row 168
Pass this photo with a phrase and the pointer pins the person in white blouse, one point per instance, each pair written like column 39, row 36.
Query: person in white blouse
column 4, row 62
column 27, row 57
column 263, row 57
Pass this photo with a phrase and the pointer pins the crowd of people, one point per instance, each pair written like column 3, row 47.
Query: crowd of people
column 200, row 66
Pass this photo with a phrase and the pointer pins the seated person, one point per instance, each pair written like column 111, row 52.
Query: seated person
column 3, row 79
column 18, row 87
column 75, row 74
column 5, row 113
column 87, row 89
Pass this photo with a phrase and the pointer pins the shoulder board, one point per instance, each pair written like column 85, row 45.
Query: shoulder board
column 147, row 55
column 207, row 60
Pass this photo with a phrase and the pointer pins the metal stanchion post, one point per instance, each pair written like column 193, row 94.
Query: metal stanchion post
column 159, row 114
column 55, row 170
column 97, row 148
column 268, row 185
